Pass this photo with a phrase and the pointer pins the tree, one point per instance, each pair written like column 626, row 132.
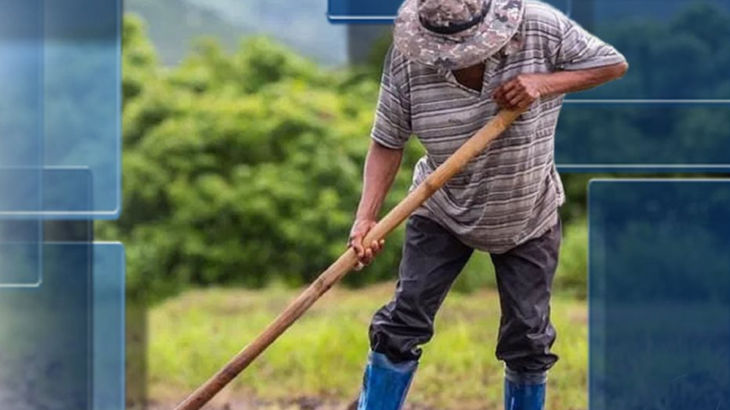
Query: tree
column 241, row 169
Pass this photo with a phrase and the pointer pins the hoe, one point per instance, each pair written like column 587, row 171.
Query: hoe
column 476, row 144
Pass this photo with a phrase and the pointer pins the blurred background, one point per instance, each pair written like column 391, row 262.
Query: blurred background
column 245, row 128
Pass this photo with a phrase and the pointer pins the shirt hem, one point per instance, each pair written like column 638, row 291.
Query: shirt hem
column 550, row 222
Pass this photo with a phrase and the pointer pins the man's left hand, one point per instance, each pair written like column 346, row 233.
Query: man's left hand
column 520, row 92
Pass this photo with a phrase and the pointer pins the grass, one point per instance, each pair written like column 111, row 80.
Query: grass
column 322, row 355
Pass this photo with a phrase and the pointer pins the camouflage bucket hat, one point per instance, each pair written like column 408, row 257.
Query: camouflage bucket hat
column 453, row 34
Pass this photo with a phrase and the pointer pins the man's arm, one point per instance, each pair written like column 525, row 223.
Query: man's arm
column 381, row 167
column 391, row 130
column 525, row 89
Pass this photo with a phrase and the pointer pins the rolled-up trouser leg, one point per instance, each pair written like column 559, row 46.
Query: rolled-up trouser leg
column 524, row 279
column 432, row 259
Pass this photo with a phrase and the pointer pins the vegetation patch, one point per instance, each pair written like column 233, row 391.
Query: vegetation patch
column 322, row 356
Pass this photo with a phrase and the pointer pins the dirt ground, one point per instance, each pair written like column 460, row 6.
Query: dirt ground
column 304, row 403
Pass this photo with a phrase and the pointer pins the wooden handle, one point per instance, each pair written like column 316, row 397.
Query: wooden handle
column 348, row 260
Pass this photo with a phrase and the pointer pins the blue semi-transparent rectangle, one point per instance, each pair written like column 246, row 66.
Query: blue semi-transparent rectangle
column 671, row 112
column 679, row 50
column 358, row 11
column 60, row 106
column 57, row 193
column 21, row 99
column 659, row 294
column 46, row 193
column 634, row 138
column 82, row 101
column 21, row 253
column 62, row 342
column 108, row 324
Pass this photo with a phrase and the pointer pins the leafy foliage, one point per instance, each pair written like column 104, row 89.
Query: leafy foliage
column 241, row 169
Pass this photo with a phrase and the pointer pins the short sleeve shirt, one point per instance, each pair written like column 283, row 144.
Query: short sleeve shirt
column 511, row 192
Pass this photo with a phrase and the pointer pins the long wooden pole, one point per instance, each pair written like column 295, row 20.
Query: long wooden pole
column 348, row 260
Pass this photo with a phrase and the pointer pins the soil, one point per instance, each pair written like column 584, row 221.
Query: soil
column 302, row 403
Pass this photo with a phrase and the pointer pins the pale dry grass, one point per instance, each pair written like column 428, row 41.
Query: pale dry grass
column 321, row 357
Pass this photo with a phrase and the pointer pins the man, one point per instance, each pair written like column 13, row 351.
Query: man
column 454, row 64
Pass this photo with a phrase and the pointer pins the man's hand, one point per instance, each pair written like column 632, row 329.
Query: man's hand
column 357, row 234
column 520, row 92
column 525, row 89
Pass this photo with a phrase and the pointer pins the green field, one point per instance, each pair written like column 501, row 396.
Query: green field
column 321, row 356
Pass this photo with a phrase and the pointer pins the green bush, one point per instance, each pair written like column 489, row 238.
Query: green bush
column 477, row 274
column 241, row 169
column 572, row 274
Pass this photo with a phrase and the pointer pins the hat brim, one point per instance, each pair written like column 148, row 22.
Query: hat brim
column 419, row 44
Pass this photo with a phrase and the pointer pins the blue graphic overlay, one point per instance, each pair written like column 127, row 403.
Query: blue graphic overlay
column 671, row 112
column 346, row 11
column 45, row 335
column 380, row 11
column 108, row 327
column 60, row 106
column 20, row 191
column 82, row 103
column 21, row 102
column 678, row 49
column 659, row 294
column 67, row 190
column 630, row 138
column 50, row 192
column 20, row 253
column 63, row 341
column 21, row 240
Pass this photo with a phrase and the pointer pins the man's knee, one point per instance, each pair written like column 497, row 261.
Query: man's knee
column 527, row 349
column 398, row 331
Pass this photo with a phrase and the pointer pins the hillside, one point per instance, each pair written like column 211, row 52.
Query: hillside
column 174, row 25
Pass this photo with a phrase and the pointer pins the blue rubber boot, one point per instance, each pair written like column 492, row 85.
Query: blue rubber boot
column 385, row 384
column 524, row 391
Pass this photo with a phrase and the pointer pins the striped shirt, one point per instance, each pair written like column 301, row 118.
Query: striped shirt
column 511, row 192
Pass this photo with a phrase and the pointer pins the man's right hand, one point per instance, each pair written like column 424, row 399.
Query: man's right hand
column 360, row 229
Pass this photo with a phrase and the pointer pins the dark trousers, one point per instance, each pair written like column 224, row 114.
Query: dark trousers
column 433, row 258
